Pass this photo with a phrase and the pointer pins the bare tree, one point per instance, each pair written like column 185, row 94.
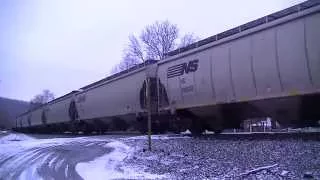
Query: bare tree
column 188, row 39
column 159, row 39
column 42, row 98
column 153, row 43
column 134, row 51
column 129, row 60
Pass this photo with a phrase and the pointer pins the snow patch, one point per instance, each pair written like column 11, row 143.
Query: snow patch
column 14, row 137
column 58, row 164
column 30, row 173
column 208, row 132
column 186, row 132
column 111, row 166
column 66, row 171
column 52, row 162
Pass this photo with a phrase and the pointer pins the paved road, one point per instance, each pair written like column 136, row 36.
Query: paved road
column 48, row 158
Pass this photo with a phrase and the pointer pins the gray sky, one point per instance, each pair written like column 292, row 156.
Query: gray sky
column 62, row 45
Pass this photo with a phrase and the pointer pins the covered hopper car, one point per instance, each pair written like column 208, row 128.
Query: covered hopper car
column 269, row 67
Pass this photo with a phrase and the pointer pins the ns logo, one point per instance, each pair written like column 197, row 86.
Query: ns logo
column 180, row 69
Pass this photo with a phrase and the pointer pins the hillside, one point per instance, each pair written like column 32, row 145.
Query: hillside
column 9, row 109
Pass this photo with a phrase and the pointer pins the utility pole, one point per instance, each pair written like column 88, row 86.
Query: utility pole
column 149, row 111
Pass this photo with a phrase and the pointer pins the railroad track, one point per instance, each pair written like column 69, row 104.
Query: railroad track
column 259, row 135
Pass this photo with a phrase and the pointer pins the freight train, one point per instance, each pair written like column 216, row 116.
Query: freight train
column 269, row 67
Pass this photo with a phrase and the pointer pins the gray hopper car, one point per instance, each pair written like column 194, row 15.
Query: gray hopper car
column 265, row 68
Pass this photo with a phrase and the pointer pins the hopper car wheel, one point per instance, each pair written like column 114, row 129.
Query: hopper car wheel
column 141, row 125
column 87, row 130
column 143, row 130
column 217, row 131
column 197, row 127
column 159, row 126
column 158, row 129
column 176, row 131
column 176, row 125
column 120, row 124
column 73, row 127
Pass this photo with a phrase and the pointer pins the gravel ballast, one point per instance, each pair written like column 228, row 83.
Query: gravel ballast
column 229, row 158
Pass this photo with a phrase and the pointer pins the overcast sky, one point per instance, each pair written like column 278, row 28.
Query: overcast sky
column 62, row 45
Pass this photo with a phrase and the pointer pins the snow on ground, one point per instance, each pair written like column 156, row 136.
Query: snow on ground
column 26, row 157
column 111, row 166
column 172, row 157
